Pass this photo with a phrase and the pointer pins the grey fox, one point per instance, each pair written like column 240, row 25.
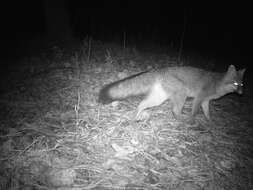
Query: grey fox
column 175, row 84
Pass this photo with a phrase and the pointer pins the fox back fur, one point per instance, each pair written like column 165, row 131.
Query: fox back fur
column 175, row 84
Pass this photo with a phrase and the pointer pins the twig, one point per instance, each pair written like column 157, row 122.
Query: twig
column 182, row 39
column 124, row 40
column 77, row 107
column 89, row 49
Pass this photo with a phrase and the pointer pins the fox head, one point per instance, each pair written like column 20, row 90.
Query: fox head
column 233, row 80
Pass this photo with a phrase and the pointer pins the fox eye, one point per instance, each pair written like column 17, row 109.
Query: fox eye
column 238, row 84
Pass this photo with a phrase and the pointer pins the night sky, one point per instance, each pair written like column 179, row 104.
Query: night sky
column 218, row 29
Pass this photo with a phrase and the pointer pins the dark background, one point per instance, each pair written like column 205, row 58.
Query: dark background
column 221, row 30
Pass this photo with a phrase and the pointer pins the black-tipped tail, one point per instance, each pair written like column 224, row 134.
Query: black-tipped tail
column 122, row 89
column 104, row 96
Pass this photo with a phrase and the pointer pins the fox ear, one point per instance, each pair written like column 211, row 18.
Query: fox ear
column 231, row 68
column 241, row 72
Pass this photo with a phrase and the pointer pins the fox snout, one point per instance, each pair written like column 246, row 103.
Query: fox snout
column 239, row 87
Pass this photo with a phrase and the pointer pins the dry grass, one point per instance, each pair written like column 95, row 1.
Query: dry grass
column 54, row 134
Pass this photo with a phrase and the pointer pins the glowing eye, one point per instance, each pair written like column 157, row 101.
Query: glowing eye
column 236, row 84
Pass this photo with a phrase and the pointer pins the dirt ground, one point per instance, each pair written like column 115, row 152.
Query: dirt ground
column 55, row 135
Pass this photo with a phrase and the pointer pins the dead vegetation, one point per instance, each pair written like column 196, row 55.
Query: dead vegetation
column 54, row 134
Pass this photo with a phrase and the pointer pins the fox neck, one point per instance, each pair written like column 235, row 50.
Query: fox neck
column 222, row 88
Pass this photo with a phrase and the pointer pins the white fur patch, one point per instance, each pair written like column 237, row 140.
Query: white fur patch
column 156, row 97
column 158, row 94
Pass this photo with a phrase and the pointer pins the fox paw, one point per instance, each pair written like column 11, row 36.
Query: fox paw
column 186, row 119
column 142, row 116
column 180, row 117
column 190, row 121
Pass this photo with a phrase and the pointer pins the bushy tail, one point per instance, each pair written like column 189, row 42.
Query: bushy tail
column 132, row 86
column 105, row 96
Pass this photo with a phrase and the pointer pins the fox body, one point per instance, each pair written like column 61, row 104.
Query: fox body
column 175, row 84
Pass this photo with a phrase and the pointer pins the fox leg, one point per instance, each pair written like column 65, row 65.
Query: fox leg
column 205, row 107
column 156, row 97
column 196, row 105
column 178, row 103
